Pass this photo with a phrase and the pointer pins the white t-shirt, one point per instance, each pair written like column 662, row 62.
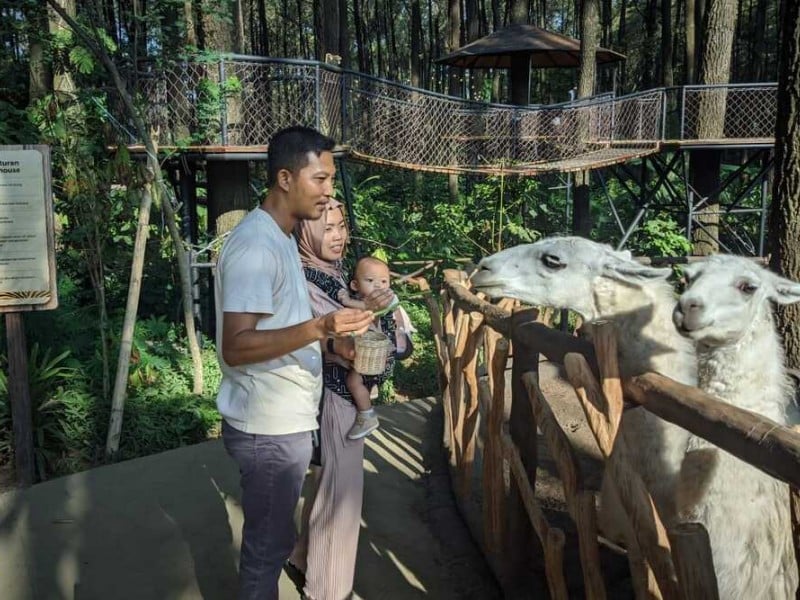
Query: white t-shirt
column 259, row 271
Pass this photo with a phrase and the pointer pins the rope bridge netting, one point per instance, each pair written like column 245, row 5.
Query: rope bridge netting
column 241, row 101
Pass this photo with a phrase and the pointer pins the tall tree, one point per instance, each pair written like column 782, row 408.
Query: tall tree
column 666, row 43
column 454, row 84
column 520, row 72
column 590, row 37
column 785, row 214
column 63, row 83
column 417, row 77
column 327, row 19
column 40, row 75
column 715, row 69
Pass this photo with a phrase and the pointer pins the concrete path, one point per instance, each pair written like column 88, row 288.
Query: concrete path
column 168, row 526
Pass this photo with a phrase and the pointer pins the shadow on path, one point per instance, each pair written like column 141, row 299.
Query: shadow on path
column 168, row 526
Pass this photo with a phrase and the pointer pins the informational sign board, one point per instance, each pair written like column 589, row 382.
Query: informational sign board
column 27, row 240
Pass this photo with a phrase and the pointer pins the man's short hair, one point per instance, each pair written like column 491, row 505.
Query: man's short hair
column 289, row 148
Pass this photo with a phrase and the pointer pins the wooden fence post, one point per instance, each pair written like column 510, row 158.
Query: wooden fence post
column 20, row 397
column 470, row 405
column 493, row 480
column 520, row 543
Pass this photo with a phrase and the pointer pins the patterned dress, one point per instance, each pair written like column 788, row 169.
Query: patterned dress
column 334, row 374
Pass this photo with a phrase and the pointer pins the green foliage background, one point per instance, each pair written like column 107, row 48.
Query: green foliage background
column 404, row 216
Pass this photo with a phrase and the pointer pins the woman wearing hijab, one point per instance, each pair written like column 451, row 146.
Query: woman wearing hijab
column 326, row 552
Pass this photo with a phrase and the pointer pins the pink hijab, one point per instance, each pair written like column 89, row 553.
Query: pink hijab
column 309, row 236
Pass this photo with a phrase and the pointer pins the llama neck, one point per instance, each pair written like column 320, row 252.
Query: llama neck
column 751, row 373
column 647, row 338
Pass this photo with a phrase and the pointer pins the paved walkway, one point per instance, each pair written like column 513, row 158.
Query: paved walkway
column 168, row 526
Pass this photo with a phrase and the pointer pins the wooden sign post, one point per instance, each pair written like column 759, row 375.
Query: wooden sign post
column 27, row 276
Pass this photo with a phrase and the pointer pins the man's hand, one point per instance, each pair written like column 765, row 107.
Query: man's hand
column 347, row 321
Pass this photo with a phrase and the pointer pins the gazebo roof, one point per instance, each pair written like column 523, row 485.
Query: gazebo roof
column 545, row 48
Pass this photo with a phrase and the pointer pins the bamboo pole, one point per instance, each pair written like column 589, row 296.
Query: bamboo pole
column 552, row 539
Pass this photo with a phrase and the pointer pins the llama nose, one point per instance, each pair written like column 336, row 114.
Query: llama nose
column 691, row 305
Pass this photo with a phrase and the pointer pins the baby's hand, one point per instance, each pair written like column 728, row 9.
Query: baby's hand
column 343, row 296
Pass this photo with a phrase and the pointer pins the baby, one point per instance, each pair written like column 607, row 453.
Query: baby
column 370, row 274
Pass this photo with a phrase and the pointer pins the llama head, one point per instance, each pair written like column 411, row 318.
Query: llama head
column 726, row 296
column 562, row 272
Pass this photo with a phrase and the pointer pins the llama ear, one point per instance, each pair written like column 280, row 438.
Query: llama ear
column 625, row 254
column 784, row 291
column 630, row 271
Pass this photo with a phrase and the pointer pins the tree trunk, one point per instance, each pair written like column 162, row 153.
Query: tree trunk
column 649, row 60
column 228, row 195
column 62, row 79
column 344, row 35
column 263, row 29
column 40, row 77
column 666, row 43
column 785, row 217
column 189, row 23
column 361, row 50
column 691, row 37
column 519, row 74
column 621, row 45
column 328, row 28
column 759, row 57
column 454, row 85
column 720, row 25
column 238, row 27
column 416, row 45
column 590, row 35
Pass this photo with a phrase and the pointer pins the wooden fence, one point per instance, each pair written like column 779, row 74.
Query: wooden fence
column 494, row 467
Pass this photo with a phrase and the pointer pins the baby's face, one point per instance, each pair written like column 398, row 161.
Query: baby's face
column 370, row 277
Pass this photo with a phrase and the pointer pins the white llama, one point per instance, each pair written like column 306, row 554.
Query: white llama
column 726, row 311
column 601, row 284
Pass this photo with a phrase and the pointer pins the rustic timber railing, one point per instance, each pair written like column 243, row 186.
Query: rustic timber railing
column 235, row 103
column 493, row 449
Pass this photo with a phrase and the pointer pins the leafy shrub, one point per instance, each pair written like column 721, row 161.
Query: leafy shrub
column 64, row 433
column 157, row 423
column 417, row 375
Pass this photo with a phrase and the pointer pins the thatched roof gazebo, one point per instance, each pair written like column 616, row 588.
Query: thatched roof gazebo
column 519, row 47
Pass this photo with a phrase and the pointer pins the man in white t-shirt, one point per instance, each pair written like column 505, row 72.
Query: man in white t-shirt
column 268, row 347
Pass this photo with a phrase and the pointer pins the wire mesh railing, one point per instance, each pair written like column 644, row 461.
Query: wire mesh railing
column 242, row 101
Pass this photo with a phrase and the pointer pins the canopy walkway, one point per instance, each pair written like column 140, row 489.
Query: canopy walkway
column 232, row 107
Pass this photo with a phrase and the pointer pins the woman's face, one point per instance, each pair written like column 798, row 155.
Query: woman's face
column 334, row 240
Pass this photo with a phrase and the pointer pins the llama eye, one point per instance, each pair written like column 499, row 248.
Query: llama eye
column 747, row 288
column 552, row 262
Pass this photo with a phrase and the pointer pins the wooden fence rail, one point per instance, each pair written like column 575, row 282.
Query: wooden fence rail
column 474, row 341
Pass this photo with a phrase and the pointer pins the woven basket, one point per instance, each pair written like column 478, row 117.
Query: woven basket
column 372, row 350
